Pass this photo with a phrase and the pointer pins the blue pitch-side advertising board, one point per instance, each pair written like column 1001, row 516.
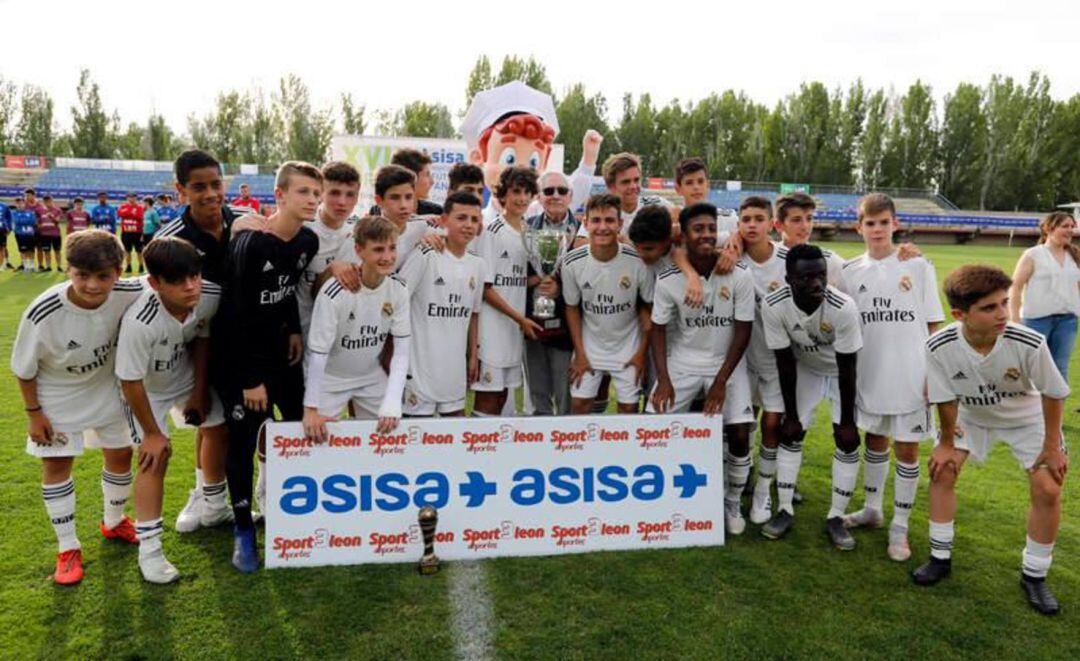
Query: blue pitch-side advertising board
column 501, row 487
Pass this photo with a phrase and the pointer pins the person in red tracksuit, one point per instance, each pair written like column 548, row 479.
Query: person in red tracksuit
column 131, row 229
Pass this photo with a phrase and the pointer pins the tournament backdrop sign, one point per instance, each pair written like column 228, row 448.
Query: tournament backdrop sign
column 502, row 487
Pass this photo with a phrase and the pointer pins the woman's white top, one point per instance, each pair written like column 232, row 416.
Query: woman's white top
column 1053, row 287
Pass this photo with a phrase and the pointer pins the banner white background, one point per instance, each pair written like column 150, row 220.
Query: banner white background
column 502, row 487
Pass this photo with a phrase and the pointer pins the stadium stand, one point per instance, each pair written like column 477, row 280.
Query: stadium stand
column 262, row 186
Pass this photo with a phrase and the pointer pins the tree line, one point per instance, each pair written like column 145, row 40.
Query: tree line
column 1003, row 145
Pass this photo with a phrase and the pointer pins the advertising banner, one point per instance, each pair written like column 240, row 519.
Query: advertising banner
column 24, row 162
column 114, row 164
column 501, row 487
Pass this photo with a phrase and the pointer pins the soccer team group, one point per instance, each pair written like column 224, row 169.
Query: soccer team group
column 321, row 315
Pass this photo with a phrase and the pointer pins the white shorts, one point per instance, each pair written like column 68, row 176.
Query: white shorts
column 497, row 379
column 627, row 390
column 366, row 401
column 415, row 405
column 910, row 427
column 737, row 408
column 1025, row 442
column 114, row 435
column 765, row 392
column 161, row 407
column 810, row 389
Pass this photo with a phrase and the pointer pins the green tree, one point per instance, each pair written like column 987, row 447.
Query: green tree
column 1003, row 109
column 34, row 134
column 264, row 132
column 578, row 112
column 159, row 139
column 352, row 116
column 307, row 131
column 425, row 120
column 1065, row 138
column 93, row 132
column 871, row 144
column 130, row 142
column 222, row 131
column 962, row 145
column 528, row 71
column 8, row 114
column 637, row 130
column 479, row 78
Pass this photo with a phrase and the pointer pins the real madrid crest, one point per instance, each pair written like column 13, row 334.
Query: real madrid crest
column 826, row 327
column 774, row 285
column 724, row 293
column 624, row 282
column 387, row 308
column 472, row 282
column 905, row 283
column 1012, row 374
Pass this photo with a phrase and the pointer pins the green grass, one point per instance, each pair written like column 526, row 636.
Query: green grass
column 751, row 598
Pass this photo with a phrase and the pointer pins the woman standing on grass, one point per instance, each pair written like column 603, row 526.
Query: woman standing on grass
column 1045, row 293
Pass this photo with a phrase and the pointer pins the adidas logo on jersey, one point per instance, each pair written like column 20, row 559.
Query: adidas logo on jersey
column 164, row 342
column 862, row 289
column 917, row 429
column 440, row 281
column 268, row 267
column 748, row 410
column 797, row 326
column 587, row 285
column 504, row 255
column 959, row 376
column 352, row 316
column 72, row 345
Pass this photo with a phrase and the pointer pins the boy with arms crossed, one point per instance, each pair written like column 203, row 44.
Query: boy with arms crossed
column 63, row 357
column 898, row 309
column 260, row 343
column 694, row 341
column 813, row 329
column 608, row 293
column 446, row 290
column 349, row 332
column 162, row 363
column 994, row 380
column 503, row 324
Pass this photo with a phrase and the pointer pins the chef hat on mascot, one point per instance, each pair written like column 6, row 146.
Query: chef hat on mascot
column 512, row 124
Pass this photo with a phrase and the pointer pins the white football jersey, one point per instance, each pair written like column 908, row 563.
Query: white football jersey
column 501, row 248
column 153, row 344
column 698, row 338
column 351, row 329
column 834, row 263
column 444, row 291
column 999, row 390
column 659, row 266
column 767, row 277
column 896, row 301
column 608, row 294
column 817, row 337
column 332, row 242
column 628, row 216
column 70, row 351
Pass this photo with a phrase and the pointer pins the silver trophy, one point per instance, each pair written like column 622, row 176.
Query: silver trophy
column 545, row 249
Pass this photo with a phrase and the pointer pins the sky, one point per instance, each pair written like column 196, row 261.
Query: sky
column 174, row 57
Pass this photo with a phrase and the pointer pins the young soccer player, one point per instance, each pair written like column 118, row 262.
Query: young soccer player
column 692, row 184
column 166, row 210
column 608, row 295
column 898, row 309
column 34, row 205
column 994, row 380
column 48, row 240
column 349, row 332
column 813, row 330
column 395, row 195
column 103, row 214
column 503, row 324
column 207, row 223
column 762, row 260
column 131, row 229
column 468, row 178
column 162, row 363
column 337, row 252
column 419, row 164
column 63, row 358
column 259, row 367
column 446, row 290
column 24, row 221
column 77, row 217
column 622, row 175
column 697, row 351
column 795, row 224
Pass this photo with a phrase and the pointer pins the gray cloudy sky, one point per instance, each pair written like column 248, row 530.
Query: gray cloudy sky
column 174, row 56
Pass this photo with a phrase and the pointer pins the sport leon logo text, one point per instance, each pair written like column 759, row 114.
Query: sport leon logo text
column 287, row 447
column 660, row 531
column 290, row 548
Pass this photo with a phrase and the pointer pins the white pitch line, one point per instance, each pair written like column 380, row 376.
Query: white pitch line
column 471, row 610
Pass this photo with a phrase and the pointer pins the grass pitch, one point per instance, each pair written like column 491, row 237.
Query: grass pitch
column 752, row 598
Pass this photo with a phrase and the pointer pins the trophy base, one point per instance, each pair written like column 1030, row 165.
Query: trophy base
column 428, row 566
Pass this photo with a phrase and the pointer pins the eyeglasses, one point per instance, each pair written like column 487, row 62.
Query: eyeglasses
column 561, row 190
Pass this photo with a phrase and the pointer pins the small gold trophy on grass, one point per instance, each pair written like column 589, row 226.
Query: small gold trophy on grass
column 429, row 562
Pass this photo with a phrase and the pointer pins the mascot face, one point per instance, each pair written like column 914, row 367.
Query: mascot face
column 520, row 139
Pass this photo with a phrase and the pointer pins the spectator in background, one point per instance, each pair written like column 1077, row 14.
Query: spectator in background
column 48, row 241
column 1045, row 292
column 32, row 204
column 419, row 164
column 151, row 221
column 131, row 229
column 245, row 199
column 103, row 215
column 466, row 178
column 5, row 227
column 77, row 217
column 24, row 222
column 166, row 210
